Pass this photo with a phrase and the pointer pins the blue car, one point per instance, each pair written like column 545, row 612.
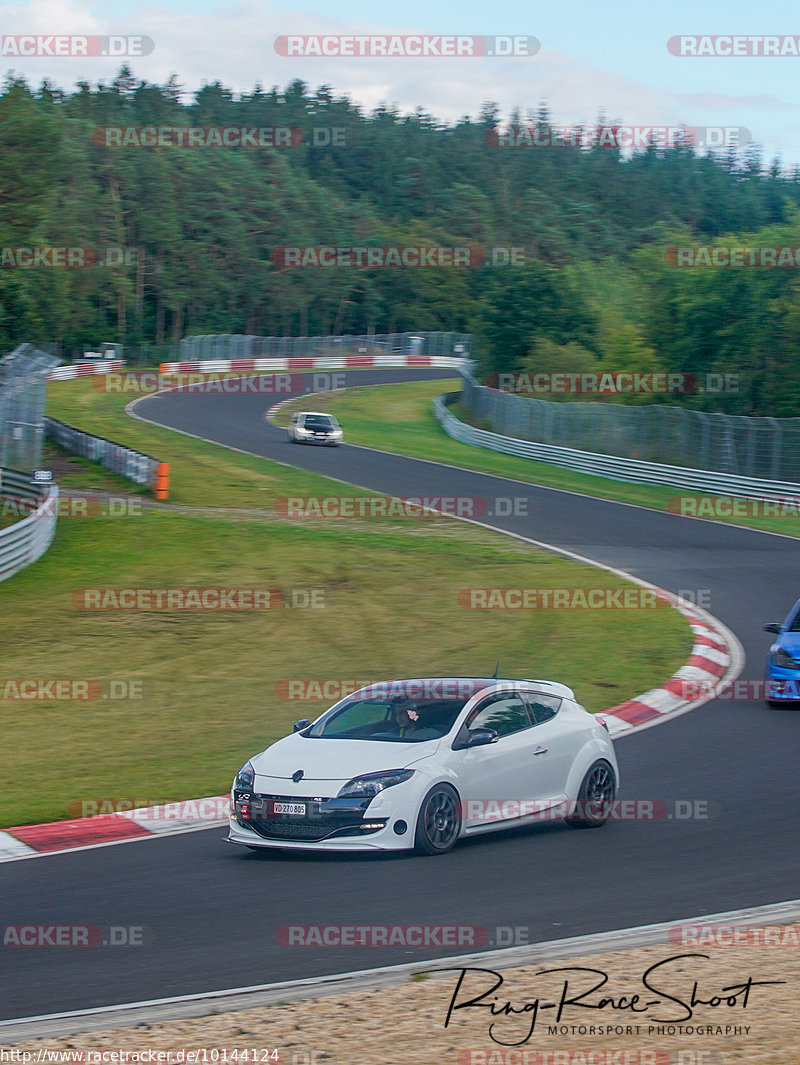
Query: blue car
column 783, row 660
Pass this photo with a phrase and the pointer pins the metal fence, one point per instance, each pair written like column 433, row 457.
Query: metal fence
column 230, row 346
column 135, row 465
column 22, row 404
column 633, row 471
column 26, row 540
column 761, row 448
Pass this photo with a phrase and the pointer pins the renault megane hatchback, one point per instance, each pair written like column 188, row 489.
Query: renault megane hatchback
column 419, row 764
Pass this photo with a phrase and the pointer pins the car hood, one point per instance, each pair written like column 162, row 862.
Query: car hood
column 322, row 759
column 789, row 641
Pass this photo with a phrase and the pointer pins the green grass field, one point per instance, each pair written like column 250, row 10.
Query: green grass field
column 209, row 689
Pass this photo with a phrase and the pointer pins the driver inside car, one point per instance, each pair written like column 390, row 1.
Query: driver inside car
column 405, row 718
column 406, row 724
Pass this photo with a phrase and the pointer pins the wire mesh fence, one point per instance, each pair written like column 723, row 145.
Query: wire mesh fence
column 230, row 346
column 767, row 448
column 22, row 404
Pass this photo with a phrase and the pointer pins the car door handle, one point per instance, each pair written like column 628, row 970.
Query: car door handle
column 540, row 750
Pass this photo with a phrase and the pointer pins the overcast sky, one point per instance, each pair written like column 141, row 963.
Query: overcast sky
column 610, row 57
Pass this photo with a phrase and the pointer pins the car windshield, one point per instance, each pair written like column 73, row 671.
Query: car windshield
column 318, row 421
column 389, row 720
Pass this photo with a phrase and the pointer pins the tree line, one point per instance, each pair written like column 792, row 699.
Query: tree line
column 578, row 266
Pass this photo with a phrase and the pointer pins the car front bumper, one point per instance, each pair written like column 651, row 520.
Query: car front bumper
column 783, row 685
column 329, row 824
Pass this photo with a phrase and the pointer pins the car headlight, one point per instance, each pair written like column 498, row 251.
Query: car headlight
column 371, row 784
column 783, row 659
column 245, row 778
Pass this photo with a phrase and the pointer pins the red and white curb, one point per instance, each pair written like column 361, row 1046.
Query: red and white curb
column 27, row 841
column 714, row 659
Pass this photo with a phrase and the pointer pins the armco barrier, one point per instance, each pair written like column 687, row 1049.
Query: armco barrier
column 634, row 471
column 84, row 369
column 26, row 540
column 135, row 465
column 311, row 362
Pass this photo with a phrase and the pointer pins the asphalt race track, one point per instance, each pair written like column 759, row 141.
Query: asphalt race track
column 210, row 912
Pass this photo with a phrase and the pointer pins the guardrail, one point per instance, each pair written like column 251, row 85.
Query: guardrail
column 635, row 471
column 84, row 369
column 135, row 465
column 319, row 362
column 26, row 540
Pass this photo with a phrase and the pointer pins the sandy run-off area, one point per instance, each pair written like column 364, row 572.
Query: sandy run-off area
column 404, row 1024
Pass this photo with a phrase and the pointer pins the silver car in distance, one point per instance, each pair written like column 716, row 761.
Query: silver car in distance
column 312, row 427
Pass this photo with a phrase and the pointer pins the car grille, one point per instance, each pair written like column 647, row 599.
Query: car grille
column 323, row 819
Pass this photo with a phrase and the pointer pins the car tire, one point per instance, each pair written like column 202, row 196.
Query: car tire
column 438, row 821
column 597, row 792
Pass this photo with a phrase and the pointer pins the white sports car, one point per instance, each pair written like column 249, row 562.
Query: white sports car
column 418, row 764
column 311, row 427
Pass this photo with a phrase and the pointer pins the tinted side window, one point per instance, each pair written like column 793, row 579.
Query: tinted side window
column 543, row 707
column 505, row 714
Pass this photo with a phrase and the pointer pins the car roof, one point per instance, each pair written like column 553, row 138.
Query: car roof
column 480, row 684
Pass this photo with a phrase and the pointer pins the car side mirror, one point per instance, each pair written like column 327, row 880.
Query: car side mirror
column 304, row 722
column 480, row 737
column 773, row 627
